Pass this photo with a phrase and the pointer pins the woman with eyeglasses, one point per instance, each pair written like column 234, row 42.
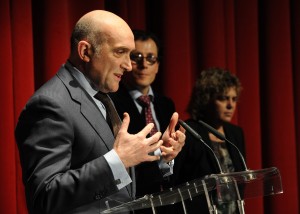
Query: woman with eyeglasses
column 213, row 101
column 135, row 87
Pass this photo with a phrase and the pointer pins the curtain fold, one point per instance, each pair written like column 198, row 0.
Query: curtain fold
column 247, row 69
column 177, row 67
column 277, row 96
column 259, row 41
column 23, row 80
column 295, row 36
column 7, row 147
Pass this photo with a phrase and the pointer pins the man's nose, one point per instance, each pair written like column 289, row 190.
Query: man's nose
column 142, row 63
column 127, row 64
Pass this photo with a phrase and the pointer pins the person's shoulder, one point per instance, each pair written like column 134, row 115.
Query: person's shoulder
column 193, row 123
column 53, row 89
column 232, row 126
column 168, row 99
column 163, row 98
column 164, row 103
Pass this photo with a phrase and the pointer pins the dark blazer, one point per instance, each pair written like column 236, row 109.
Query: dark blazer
column 196, row 160
column 148, row 175
column 62, row 137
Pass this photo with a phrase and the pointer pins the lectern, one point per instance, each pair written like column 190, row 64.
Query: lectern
column 239, row 185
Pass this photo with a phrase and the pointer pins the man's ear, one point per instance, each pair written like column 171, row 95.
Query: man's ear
column 83, row 51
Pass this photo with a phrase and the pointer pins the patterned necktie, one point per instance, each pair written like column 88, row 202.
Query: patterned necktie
column 144, row 101
column 112, row 116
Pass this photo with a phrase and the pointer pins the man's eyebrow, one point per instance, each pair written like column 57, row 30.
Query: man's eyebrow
column 126, row 49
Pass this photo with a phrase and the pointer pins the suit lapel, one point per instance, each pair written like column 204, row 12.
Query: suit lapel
column 97, row 121
column 88, row 107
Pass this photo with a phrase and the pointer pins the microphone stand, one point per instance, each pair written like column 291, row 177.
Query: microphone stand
column 212, row 208
column 240, row 201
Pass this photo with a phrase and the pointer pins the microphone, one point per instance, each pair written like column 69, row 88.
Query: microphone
column 222, row 137
column 197, row 136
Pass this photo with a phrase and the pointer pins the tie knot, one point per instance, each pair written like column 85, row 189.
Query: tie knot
column 101, row 96
column 144, row 100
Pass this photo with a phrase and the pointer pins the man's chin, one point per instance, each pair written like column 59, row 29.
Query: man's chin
column 114, row 89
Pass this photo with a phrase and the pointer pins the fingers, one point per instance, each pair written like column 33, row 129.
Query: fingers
column 168, row 153
column 155, row 138
column 182, row 129
column 146, row 130
column 153, row 158
column 181, row 136
column 173, row 122
column 166, row 150
column 171, row 143
column 175, row 145
column 153, row 147
column 125, row 123
column 134, row 149
column 179, row 142
column 152, row 143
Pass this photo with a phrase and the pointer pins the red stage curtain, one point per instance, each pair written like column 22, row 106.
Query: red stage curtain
column 258, row 41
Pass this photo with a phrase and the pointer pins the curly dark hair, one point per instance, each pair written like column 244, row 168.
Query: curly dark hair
column 211, row 84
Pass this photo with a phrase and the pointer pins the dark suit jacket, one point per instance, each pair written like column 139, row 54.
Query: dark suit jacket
column 62, row 137
column 148, row 175
column 196, row 160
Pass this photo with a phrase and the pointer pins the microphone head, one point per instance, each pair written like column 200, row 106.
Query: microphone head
column 189, row 129
column 181, row 122
column 212, row 130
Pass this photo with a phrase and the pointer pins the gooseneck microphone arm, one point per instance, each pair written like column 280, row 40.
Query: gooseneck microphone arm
column 222, row 137
column 197, row 136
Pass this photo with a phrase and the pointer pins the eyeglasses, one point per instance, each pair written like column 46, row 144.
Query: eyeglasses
column 138, row 58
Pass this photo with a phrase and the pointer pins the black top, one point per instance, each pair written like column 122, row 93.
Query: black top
column 196, row 160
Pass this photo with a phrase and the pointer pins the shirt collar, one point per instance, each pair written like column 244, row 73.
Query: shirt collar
column 135, row 94
column 83, row 80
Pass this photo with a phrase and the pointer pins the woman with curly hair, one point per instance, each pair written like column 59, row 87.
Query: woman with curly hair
column 213, row 100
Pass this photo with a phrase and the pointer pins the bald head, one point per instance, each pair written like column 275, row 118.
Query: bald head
column 104, row 19
column 96, row 27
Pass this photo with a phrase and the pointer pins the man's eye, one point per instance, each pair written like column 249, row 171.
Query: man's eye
column 120, row 51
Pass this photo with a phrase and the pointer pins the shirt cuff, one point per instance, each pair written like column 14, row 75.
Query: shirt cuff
column 118, row 169
column 165, row 168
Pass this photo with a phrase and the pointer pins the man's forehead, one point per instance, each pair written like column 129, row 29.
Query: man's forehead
column 121, row 40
